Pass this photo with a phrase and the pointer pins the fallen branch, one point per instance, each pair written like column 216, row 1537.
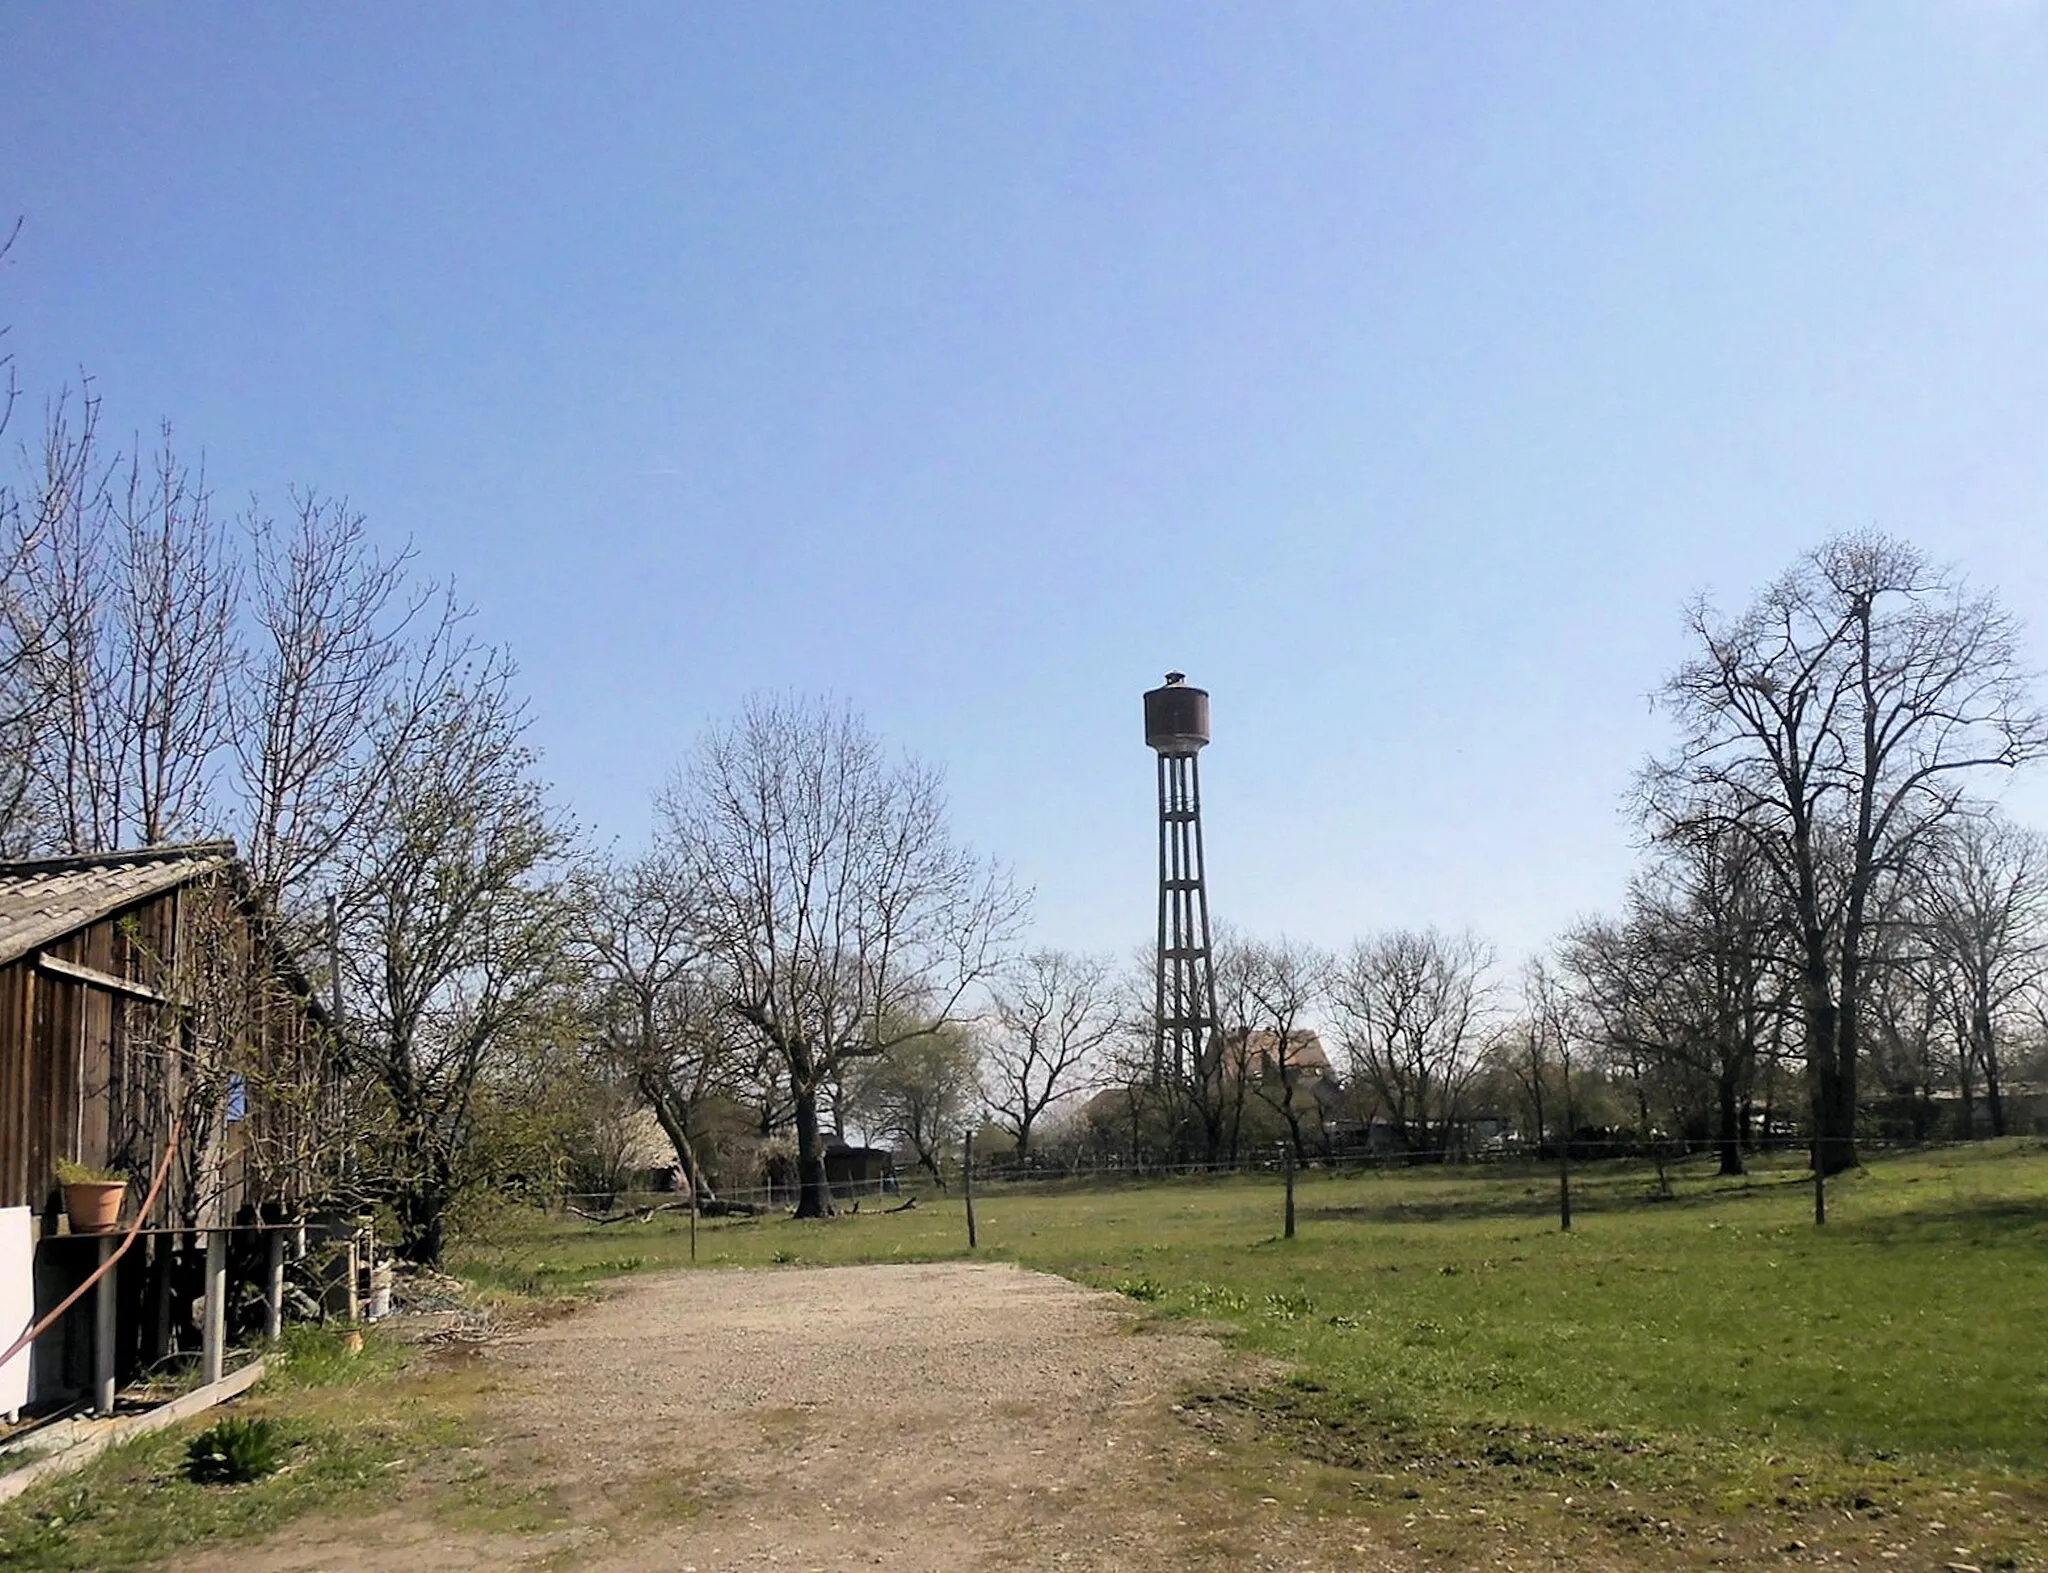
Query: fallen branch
column 711, row 1209
column 634, row 1215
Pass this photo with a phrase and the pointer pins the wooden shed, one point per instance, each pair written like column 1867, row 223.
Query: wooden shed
column 140, row 992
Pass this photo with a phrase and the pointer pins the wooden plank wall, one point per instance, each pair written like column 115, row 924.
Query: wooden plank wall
column 85, row 1074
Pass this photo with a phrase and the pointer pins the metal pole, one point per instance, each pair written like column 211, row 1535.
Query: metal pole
column 103, row 1335
column 1201, row 879
column 1160, row 956
column 214, row 1335
column 273, row 1300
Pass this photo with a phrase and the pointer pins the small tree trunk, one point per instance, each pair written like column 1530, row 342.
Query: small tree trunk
column 1564, row 1157
column 1289, row 1165
column 1730, row 1125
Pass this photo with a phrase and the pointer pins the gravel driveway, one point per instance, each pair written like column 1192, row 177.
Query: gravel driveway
column 930, row 1417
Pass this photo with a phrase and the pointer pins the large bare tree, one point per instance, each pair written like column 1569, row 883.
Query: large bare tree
column 1982, row 902
column 130, row 588
column 457, row 933
column 344, row 655
column 1412, row 1008
column 1837, row 723
column 841, row 915
column 655, row 1005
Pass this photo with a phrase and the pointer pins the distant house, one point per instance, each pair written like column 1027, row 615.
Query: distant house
column 1259, row 1056
column 858, row 1171
column 142, row 992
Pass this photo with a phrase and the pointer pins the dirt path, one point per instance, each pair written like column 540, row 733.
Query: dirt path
column 915, row 1418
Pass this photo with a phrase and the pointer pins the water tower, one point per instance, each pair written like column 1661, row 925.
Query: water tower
column 1184, row 1011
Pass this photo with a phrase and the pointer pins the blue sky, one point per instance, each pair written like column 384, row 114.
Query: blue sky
column 1395, row 371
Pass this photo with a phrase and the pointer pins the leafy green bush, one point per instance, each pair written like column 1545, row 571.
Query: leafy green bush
column 1141, row 1288
column 234, row 1452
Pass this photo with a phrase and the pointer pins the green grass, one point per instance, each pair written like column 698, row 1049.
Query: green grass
column 1716, row 1340
column 345, row 1423
column 1453, row 1358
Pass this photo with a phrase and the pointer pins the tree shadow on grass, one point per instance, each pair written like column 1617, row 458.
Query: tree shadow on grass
column 1444, row 1209
column 1591, row 1197
column 1990, row 1221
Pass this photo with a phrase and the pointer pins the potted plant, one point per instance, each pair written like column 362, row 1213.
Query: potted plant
column 92, row 1197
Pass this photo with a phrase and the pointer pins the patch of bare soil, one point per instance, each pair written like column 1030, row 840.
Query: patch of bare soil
column 907, row 1417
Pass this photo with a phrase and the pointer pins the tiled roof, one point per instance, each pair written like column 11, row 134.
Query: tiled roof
column 47, row 898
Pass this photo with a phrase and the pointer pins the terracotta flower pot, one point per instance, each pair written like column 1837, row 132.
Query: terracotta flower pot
column 94, row 1205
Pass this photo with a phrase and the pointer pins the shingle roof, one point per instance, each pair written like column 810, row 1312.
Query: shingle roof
column 46, row 898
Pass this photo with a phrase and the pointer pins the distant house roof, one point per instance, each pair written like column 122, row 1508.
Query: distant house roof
column 1259, row 1053
column 43, row 899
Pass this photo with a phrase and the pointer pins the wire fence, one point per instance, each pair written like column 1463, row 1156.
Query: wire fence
column 911, row 1185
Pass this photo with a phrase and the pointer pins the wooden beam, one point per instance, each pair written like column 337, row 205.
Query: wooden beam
column 92, row 977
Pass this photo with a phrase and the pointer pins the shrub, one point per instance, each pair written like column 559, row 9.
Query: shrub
column 234, row 1451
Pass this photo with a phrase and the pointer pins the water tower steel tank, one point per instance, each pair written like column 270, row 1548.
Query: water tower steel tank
column 1176, row 716
column 1184, row 1009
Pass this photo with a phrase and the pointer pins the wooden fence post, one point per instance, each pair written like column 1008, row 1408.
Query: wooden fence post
column 967, row 1185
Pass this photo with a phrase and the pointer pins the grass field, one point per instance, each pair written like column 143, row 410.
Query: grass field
column 1715, row 1353
column 347, row 1422
column 1688, row 1383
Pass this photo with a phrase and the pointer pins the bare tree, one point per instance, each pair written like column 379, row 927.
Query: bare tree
column 656, row 1007
column 21, row 635
column 177, row 652
column 1705, row 928
column 132, row 591
column 1847, row 709
column 1910, row 1002
column 342, row 651
column 1983, row 897
column 839, row 913
column 459, row 936
column 1054, row 1011
column 1267, row 990
column 1411, row 1006
column 1555, row 1027
column 60, row 594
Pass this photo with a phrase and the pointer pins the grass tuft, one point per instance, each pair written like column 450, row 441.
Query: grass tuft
column 235, row 1451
